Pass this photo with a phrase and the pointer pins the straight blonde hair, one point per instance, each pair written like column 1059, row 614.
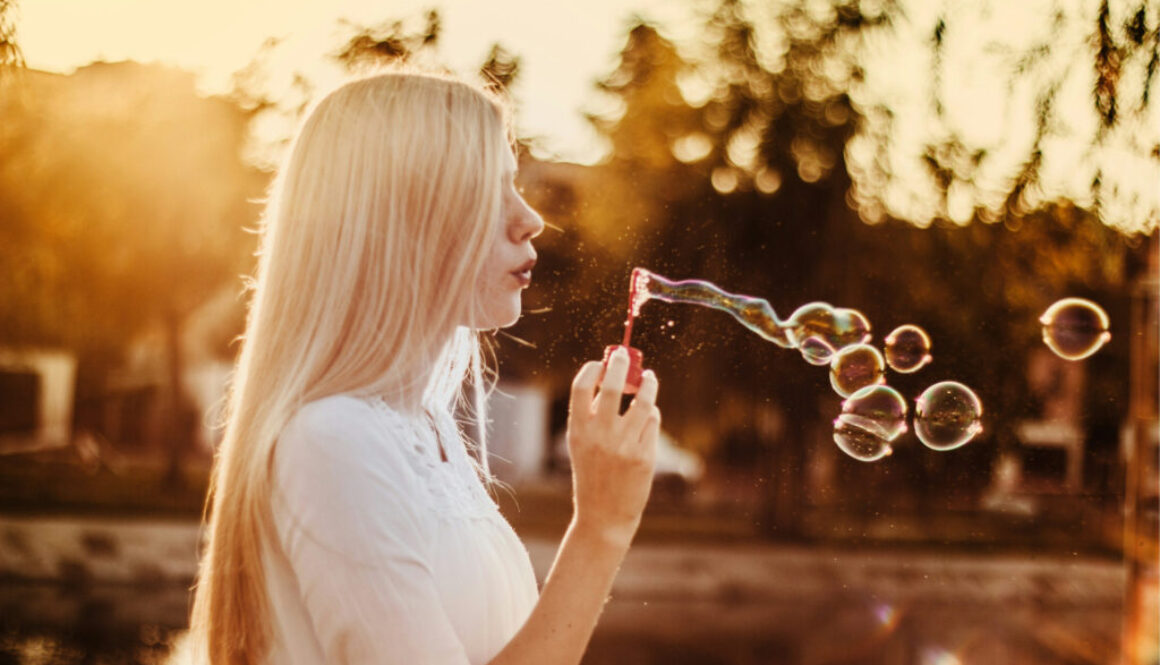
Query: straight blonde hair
column 376, row 229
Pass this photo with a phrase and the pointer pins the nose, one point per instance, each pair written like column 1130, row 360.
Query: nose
column 525, row 222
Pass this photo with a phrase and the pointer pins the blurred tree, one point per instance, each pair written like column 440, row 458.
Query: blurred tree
column 639, row 178
column 1001, row 123
column 278, row 97
column 372, row 46
column 10, row 53
column 118, row 217
column 500, row 69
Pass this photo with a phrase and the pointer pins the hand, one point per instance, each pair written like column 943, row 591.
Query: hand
column 613, row 455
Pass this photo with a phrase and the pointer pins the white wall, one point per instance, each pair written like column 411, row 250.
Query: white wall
column 518, row 433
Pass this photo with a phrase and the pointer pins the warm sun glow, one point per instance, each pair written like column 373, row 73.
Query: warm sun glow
column 218, row 37
column 982, row 54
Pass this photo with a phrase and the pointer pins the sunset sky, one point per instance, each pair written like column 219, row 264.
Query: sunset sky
column 565, row 46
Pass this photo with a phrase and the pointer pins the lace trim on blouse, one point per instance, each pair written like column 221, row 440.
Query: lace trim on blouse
column 455, row 489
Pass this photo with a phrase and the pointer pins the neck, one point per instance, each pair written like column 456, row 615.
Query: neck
column 414, row 391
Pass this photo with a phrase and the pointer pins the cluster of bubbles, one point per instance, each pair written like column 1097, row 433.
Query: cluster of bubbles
column 947, row 415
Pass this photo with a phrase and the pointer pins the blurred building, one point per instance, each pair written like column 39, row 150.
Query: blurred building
column 36, row 398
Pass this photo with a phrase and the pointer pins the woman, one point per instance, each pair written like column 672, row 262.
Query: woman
column 347, row 521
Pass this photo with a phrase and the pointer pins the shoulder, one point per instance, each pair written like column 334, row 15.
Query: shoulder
column 340, row 430
column 342, row 417
column 342, row 480
column 336, row 412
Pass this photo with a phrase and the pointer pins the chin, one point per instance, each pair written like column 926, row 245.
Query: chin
column 500, row 316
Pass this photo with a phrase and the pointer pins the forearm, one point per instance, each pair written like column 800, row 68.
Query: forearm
column 560, row 625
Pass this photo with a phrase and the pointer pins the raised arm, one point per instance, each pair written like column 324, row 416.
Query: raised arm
column 612, row 469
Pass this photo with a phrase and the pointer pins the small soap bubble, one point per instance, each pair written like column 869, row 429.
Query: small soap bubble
column 1075, row 328
column 879, row 409
column 947, row 415
column 854, row 367
column 670, row 323
column 815, row 319
column 907, row 349
column 836, row 327
column 816, row 351
column 864, row 445
column 850, row 327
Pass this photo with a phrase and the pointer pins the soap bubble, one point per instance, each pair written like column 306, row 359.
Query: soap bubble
column 854, row 367
column 947, row 416
column 864, row 445
column 1075, row 328
column 879, row 409
column 850, row 327
column 815, row 319
column 871, row 418
column 815, row 350
column 833, row 328
column 907, row 349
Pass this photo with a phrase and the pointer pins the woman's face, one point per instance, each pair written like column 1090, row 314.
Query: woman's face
column 507, row 271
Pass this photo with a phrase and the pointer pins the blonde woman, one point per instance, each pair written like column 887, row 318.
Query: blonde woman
column 348, row 522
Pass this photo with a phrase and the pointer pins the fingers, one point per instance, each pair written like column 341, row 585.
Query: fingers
column 642, row 412
column 647, row 393
column 584, row 385
column 608, row 399
column 650, row 434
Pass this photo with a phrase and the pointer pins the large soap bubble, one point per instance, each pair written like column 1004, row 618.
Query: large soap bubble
column 870, row 420
column 1075, row 328
column 817, row 327
column 907, row 349
column 855, row 367
column 947, row 416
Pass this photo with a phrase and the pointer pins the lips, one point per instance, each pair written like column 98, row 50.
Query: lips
column 523, row 274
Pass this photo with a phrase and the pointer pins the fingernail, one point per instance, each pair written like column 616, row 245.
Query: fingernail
column 621, row 351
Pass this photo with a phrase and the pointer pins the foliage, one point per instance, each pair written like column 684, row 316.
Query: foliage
column 116, row 215
column 278, row 96
column 994, row 124
column 10, row 54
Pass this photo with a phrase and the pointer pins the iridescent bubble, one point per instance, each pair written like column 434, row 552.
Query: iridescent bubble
column 879, row 409
column 854, row 367
column 815, row 350
column 850, row 327
column 947, row 415
column 1075, row 328
column 837, row 327
column 907, row 349
column 815, row 319
column 862, row 444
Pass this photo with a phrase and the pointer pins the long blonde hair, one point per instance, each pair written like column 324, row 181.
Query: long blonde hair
column 376, row 228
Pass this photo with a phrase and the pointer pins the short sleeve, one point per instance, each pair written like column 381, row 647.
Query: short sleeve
column 348, row 513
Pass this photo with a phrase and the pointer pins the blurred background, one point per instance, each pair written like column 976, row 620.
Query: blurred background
column 959, row 166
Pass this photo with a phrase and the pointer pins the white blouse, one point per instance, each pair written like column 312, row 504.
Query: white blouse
column 384, row 553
